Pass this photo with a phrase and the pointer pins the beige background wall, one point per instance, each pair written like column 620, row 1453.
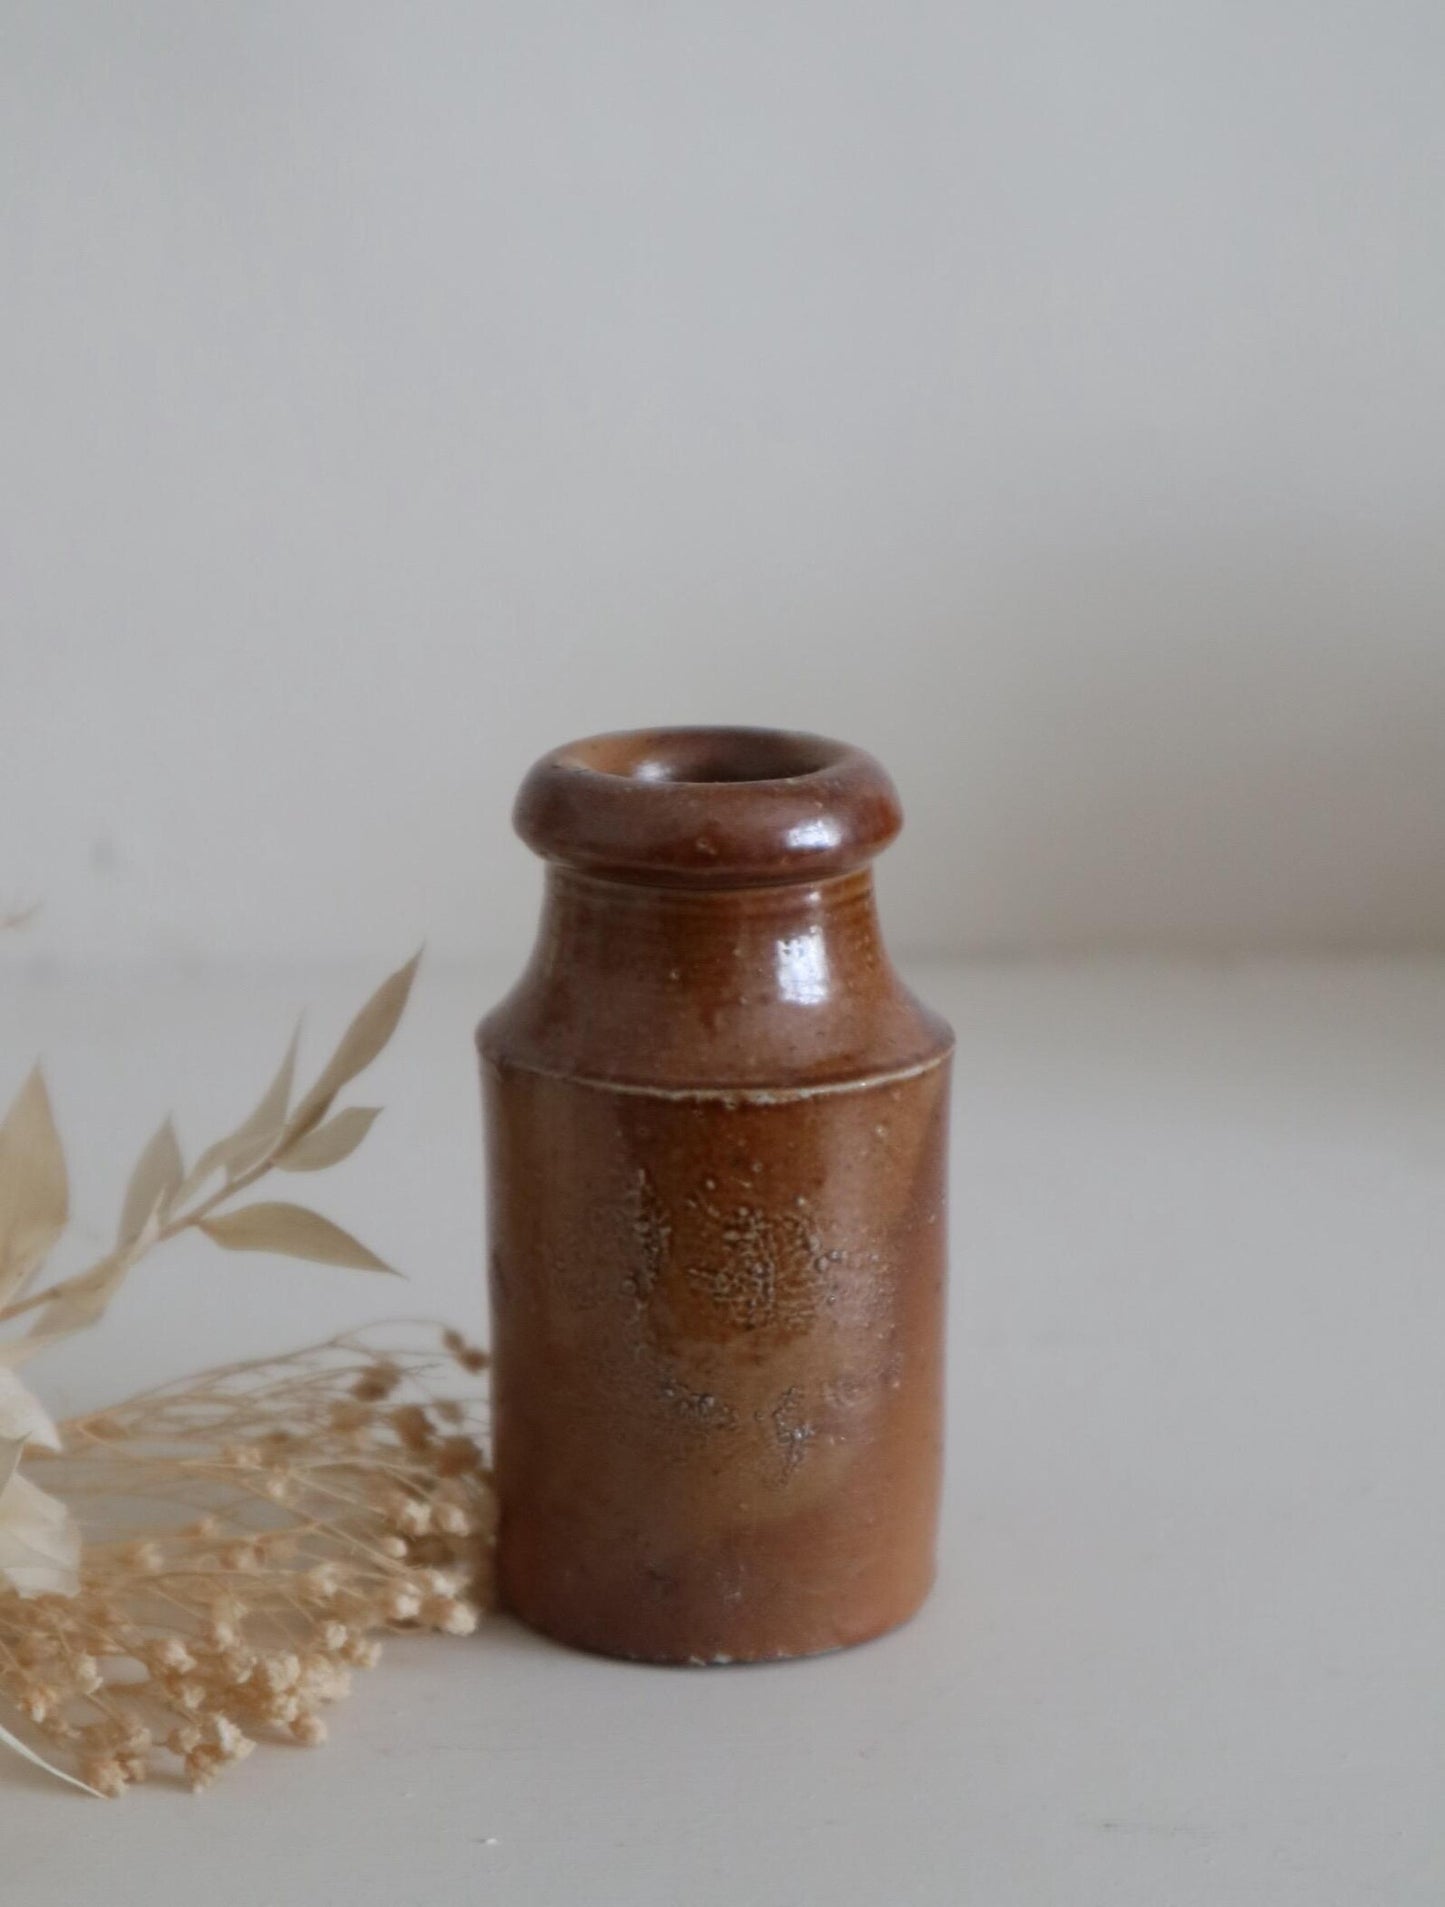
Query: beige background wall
column 1050, row 396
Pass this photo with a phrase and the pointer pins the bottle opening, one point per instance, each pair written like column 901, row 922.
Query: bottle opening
column 708, row 806
column 705, row 755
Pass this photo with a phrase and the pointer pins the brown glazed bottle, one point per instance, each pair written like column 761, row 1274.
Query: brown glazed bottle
column 717, row 1125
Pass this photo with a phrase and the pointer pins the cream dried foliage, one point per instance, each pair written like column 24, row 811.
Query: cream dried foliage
column 326, row 1495
column 163, row 1199
column 39, row 1538
column 251, row 1534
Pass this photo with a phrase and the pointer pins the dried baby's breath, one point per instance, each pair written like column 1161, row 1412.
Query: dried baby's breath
column 251, row 1534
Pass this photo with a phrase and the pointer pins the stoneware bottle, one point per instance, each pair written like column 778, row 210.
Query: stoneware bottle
column 716, row 1126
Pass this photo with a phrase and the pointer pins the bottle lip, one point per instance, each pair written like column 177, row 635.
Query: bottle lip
column 708, row 806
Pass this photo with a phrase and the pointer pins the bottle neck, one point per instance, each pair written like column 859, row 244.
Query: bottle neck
column 787, row 984
column 800, row 946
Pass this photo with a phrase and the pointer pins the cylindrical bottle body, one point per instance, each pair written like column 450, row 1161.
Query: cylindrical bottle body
column 717, row 1343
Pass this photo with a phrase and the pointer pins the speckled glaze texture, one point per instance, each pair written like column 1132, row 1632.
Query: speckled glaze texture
column 716, row 1126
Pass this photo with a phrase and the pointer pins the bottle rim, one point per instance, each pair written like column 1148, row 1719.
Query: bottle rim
column 708, row 806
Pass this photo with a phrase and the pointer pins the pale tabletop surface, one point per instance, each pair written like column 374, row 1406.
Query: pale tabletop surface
column 1188, row 1643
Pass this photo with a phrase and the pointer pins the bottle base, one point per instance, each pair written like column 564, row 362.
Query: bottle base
column 742, row 1650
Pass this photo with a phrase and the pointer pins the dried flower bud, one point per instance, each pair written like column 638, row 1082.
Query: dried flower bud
column 85, row 1675
column 376, row 1384
column 323, row 1582
column 203, row 1764
column 469, row 1356
column 412, row 1426
column 412, row 1517
column 105, row 1774
column 237, row 1666
column 229, row 1741
column 401, row 1603
column 450, row 1616
column 278, row 1672
column 456, row 1456
column 170, row 1656
column 322, row 1680
column 36, row 1699
column 148, row 1559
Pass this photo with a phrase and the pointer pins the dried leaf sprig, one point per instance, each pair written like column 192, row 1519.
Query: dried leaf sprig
column 251, row 1533
column 164, row 1199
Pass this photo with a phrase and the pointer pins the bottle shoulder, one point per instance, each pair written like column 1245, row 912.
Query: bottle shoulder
column 669, row 1044
column 766, row 987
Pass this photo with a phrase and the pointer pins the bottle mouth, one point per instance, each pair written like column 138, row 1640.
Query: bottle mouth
column 710, row 807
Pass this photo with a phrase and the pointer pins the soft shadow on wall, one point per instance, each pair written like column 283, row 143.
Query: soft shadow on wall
column 1236, row 745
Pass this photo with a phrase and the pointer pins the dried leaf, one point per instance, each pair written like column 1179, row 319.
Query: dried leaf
column 153, row 1184
column 360, row 1044
column 23, row 1418
column 39, row 1540
column 293, row 1232
column 28, row 1754
column 79, row 1302
column 34, row 1191
column 256, row 1134
column 328, row 1144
